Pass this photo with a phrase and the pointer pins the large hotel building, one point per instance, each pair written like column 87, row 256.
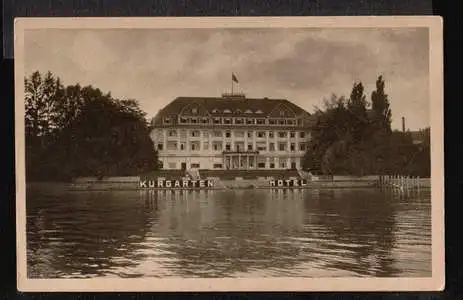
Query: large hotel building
column 231, row 132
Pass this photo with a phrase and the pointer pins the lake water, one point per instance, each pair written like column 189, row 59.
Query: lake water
column 247, row 233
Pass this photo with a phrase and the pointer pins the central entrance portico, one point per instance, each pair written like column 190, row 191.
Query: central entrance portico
column 240, row 160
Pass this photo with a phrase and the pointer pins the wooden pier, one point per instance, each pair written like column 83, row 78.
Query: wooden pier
column 404, row 183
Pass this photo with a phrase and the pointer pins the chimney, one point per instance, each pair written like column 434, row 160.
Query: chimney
column 403, row 124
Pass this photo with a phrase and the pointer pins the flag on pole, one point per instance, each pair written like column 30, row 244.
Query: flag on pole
column 234, row 78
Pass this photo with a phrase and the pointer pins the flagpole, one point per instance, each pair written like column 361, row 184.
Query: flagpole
column 232, row 85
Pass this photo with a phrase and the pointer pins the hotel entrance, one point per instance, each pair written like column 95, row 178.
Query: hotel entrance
column 240, row 160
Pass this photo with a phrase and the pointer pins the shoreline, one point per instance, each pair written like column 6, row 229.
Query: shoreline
column 243, row 184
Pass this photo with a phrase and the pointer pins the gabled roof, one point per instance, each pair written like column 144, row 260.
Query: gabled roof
column 217, row 106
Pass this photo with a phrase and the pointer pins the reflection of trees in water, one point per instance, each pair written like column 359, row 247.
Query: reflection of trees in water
column 213, row 233
column 84, row 234
column 361, row 224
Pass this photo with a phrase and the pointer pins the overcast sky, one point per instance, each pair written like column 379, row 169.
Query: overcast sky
column 304, row 66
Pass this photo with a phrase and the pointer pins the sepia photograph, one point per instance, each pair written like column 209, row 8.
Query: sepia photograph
column 229, row 154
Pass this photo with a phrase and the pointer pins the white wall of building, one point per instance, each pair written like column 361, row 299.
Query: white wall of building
column 198, row 149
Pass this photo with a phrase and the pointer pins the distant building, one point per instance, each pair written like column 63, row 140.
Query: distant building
column 421, row 136
column 231, row 132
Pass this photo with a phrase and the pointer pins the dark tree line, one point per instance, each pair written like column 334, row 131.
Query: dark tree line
column 81, row 131
column 353, row 137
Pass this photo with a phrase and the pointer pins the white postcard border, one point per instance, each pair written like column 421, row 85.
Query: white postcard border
column 434, row 283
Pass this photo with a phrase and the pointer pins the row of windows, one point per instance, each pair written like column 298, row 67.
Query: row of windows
column 219, row 146
column 235, row 121
column 240, row 134
column 282, row 164
column 195, row 111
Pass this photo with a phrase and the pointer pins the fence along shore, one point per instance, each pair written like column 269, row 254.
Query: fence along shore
column 404, row 183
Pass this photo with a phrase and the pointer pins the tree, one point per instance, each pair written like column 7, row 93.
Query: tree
column 77, row 131
column 349, row 138
column 357, row 107
column 381, row 107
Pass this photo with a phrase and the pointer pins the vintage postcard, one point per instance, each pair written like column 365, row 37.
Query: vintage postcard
column 230, row 154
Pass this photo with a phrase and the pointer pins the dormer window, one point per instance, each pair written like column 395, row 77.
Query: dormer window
column 248, row 111
column 282, row 113
column 238, row 111
column 167, row 120
column 227, row 111
column 250, row 121
column 194, row 111
column 259, row 111
column 239, row 121
column 183, row 120
column 215, row 110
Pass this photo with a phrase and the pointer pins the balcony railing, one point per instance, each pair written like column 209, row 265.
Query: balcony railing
column 239, row 151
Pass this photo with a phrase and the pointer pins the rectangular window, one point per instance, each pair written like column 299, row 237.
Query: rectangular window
column 227, row 147
column 249, row 147
column 292, row 147
column 195, row 133
column 261, row 134
column 217, row 133
column 302, row 134
column 292, row 134
column 183, row 120
column 160, row 146
column 261, row 165
column 194, row 120
column 282, row 134
column 261, row 146
column 281, row 122
column 217, row 146
column 206, row 146
column 271, row 146
column 301, row 147
column 204, row 120
column 182, row 146
column 239, row 146
column 206, row 134
column 227, row 134
column 239, row 134
column 271, row 134
column 194, row 146
column 282, row 146
column 217, row 166
column 272, row 165
column 238, row 121
column 250, row 121
column 166, row 120
column 249, row 134
column 272, row 122
column 172, row 133
column 282, row 163
column 172, row 165
column 227, row 121
column 217, row 121
column 171, row 145
column 194, row 166
column 260, row 121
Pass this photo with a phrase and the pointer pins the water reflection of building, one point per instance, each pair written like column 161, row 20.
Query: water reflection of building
column 231, row 132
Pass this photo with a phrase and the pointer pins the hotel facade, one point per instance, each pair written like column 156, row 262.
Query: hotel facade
column 231, row 132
